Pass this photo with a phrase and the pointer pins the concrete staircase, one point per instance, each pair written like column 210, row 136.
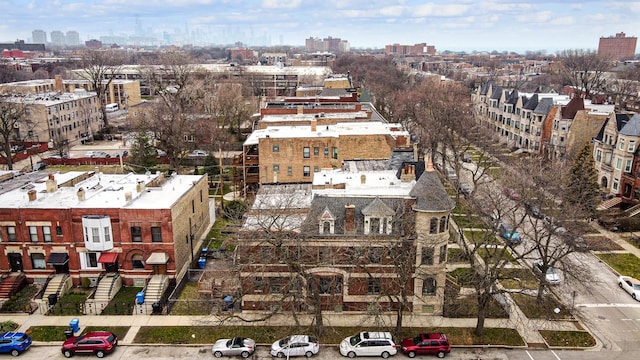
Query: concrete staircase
column 58, row 286
column 107, row 288
column 11, row 284
column 152, row 293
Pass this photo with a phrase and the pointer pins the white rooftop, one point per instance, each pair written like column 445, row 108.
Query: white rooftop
column 310, row 116
column 50, row 98
column 101, row 191
column 376, row 183
column 323, row 131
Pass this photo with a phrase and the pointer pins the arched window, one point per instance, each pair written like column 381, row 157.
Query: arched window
column 443, row 224
column 429, row 286
column 137, row 261
column 433, row 226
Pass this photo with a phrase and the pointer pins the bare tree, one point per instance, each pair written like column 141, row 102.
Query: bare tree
column 12, row 117
column 100, row 68
column 584, row 70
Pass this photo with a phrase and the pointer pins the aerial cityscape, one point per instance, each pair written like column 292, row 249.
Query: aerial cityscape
column 282, row 179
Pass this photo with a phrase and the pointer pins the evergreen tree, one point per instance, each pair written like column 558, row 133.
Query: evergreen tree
column 582, row 188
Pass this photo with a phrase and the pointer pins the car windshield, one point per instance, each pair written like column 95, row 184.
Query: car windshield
column 417, row 339
column 354, row 340
column 111, row 338
column 636, row 286
column 284, row 342
column 23, row 337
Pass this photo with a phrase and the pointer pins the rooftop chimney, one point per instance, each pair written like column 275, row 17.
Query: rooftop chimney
column 81, row 194
column 408, row 173
column 32, row 195
column 314, row 124
column 51, row 184
column 127, row 196
column 349, row 219
column 140, row 186
column 57, row 83
column 300, row 109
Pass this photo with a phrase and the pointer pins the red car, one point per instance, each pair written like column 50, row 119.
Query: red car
column 94, row 342
column 426, row 344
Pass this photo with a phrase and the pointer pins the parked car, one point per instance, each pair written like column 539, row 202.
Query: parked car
column 295, row 345
column 96, row 154
column 465, row 189
column 39, row 166
column 198, row 153
column 233, row 347
column 426, row 344
column 451, row 173
column 14, row 343
column 511, row 193
column 120, row 153
column 17, row 147
column 551, row 275
column 368, row 343
column 534, row 210
column 509, row 233
column 59, row 156
column 578, row 243
column 465, row 158
column 630, row 285
column 93, row 342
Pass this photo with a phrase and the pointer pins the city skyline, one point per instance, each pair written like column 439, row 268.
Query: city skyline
column 459, row 25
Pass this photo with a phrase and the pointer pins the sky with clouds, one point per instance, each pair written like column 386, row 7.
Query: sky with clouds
column 484, row 25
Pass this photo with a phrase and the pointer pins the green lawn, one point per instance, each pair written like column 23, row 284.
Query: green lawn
column 120, row 331
column 470, row 221
column 481, row 237
column 189, row 302
column 625, row 264
column 47, row 333
column 493, row 255
column 20, row 301
column 568, row 338
column 123, row 302
column 463, row 276
column 456, row 256
column 71, row 303
column 541, row 310
column 519, row 279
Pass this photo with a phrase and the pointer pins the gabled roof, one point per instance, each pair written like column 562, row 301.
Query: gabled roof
column 632, row 127
column 377, row 209
column 544, row 106
column 571, row 109
column 497, row 93
column 600, row 135
column 621, row 120
column 485, row 88
column 430, row 194
column 326, row 215
column 530, row 103
column 512, row 97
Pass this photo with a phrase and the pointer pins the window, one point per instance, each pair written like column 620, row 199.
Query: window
column 58, row 230
column 11, row 233
column 46, row 233
column 306, row 152
column 621, row 147
column 443, row 224
column 136, row 234
column 156, row 234
column 107, row 234
column 258, row 284
column 429, row 286
column 275, row 285
column 137, row 262
column 615, row 184
column 193, row 207
column 599, row 155
column 316, row 151
column 33, row 233
column 433, row 226
column 334, row 152
column 289, row 170
column 92, row 259
column 627, row 166
column 373, row 288
column 315, row 169
column 326, row 285
column 275, row 148
column 326, row 152
column 95, row 235
column 618, row 163
column 427, row 256
column 306, row 171
column 632, row 146
column 375, row 255
column 37, row 261
column 443, row 254
column 276, row 168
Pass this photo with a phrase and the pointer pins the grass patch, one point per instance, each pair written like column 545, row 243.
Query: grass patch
column 627, row 264
column 519, row 278
column 456, row 256
column 467, row 307
column 568, row 338
column 493, row 255
column 20, row 301
column 215, row 235
column 47, row 333
column 70, row 303
column 463, row 276
column 601, row 243
column 8, row 325
column 120, row 331
column 481, row 237
column 541, row 310
column 123, row 302
column 471, row 221
column 190, row 303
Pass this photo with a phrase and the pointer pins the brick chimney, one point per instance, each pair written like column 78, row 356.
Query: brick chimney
column 51, row 184
column 408, row 173
column 127, row 196
column 314, row 124
column 349, row 219
column 81, row 194
column 33, row 195
column 140, row 186
column 57, row 84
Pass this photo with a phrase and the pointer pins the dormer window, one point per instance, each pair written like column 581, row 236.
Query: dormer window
column 326, row 222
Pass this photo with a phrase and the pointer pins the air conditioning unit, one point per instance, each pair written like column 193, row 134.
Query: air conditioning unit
column 93, row 282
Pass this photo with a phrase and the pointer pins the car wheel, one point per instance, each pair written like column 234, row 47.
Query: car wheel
column 245, row 354
column 280, row 355
column 620, row 284
column 440, row 354
column 100, row 354
column 15, row 352
column 351, row 354
column 308, row 354
column 634, row 296
column 385, row 355
column 411, row 354
column 217, row 354
column 67, row 353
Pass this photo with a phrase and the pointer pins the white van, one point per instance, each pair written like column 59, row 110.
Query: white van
column 111, row 107
column 369, row 343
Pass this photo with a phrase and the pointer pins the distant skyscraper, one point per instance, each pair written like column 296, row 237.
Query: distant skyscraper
column 39, row 36
column 72, row 38
column 57, row 38
column 619, row 47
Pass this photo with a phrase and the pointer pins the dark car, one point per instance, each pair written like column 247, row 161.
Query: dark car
column 94, row 342
column 14, row 343
column 426, row 344
column 534, row 210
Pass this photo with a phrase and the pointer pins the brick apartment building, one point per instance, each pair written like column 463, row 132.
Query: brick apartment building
column 83, row 223
column 410, row 50
column 618, row 47
column 342, row 231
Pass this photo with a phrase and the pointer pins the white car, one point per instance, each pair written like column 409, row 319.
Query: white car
column 197, row 153
column 552, row 277
column 369, row 343
column 630, row 285
column 233, row 347
column 295, row 345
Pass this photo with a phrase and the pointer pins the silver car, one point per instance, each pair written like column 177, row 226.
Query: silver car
column 295, row 345
column 236, row 346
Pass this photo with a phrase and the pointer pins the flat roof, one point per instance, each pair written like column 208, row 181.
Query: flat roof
column 50, row 98
column 383, row 183
column 101, row 191
column 323, row 131
column 314, row 116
